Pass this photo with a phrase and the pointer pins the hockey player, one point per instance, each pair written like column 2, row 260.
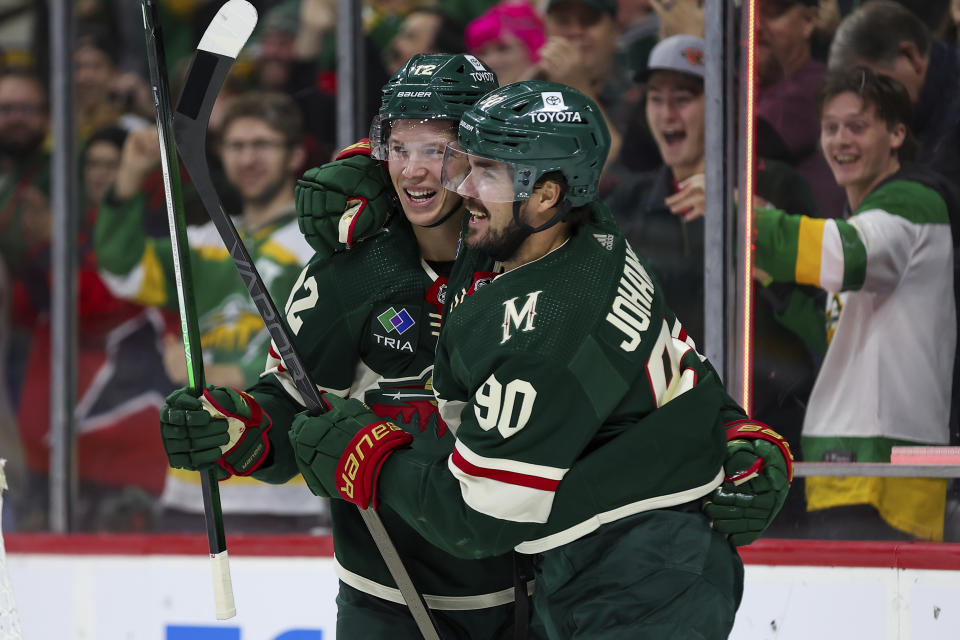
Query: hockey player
column 885, row 380
column 588, row 428
column 366, row 322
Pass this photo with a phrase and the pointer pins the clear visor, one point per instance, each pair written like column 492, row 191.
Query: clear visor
column 480, row 178
column 410, row 141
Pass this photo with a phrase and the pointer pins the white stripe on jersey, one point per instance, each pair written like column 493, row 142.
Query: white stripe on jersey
column 124, row 286
column 831, row 258
column 592, row 524
column 503, row 488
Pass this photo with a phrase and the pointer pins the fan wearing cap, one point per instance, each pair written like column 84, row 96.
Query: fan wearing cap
column 661, row 216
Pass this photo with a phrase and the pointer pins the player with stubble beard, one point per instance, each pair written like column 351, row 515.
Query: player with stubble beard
column 567, row 383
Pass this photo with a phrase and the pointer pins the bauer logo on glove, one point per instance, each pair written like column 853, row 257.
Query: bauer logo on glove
column 340, row 452
column 367, row 448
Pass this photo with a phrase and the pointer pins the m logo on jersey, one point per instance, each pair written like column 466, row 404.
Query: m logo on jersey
column 522, row 320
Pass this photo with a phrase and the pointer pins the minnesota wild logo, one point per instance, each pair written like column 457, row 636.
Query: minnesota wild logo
column 408, row 400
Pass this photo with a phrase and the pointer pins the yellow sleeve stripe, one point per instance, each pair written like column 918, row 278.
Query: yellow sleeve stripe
column 153, row 287
column 809, row 250
column 278, row 253
column 212, row 253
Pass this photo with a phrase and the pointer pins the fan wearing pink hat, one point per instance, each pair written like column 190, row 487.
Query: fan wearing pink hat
column 508, row 37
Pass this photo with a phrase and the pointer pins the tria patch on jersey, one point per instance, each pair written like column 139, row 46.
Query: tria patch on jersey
column 398, row 321
column 392, row 327
column 393, row 343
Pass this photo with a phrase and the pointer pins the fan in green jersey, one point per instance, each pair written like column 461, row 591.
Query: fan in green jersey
column 886, row 378
column 367, row 322
column 588, row 428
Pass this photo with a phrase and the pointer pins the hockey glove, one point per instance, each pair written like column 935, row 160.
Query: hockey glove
column 344, row 201
column 224, row 427
column 342, row 451
column 758, row 469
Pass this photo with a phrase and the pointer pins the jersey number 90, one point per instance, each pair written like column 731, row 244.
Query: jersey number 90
column 508, row 408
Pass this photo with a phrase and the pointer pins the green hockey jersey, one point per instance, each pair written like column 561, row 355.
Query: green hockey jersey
column 140, row 268
column 885, row 380
column 366, row 323
column 576, row 397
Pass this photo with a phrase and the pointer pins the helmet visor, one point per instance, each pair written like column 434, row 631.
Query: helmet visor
column 420, row 141
column 484, row 179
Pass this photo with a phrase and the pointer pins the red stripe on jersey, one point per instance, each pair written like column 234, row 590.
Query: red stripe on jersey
column 509, row 477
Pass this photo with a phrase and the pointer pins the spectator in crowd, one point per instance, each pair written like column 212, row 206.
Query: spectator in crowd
column 581, row 51
column 382, row 19
column 262, row 154
column 24, row 185
column 679, row 17
column 24, row 165
column 10, row 442
column 278, row 65
column 315, row 52
column 581, row 41
column 104, row 95
column 639, row 28
column 120, row 380
column 888, row 38
column 788, row 128
column 948, row 29
column 424, row 30
column 885, row 380
column 661, row 216
column 508, row 38
column 828, row 17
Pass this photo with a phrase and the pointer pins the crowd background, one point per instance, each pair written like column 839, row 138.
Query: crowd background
column 129, row 354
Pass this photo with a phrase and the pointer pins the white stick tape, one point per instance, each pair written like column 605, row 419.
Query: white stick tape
column 222, row 586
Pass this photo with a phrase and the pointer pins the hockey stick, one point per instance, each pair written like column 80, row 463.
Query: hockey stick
column 218, row 48
column 216, row 539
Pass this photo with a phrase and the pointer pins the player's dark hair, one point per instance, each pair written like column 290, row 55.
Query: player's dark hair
column 887, row 95
column 277, row 110
column 874, row 32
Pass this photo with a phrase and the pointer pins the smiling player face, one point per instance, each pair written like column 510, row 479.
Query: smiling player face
column 415, row 159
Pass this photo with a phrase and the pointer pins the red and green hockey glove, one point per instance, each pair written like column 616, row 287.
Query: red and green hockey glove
column 224, row 427
column 344, row 201
column 758, row 469
column 342, row 451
